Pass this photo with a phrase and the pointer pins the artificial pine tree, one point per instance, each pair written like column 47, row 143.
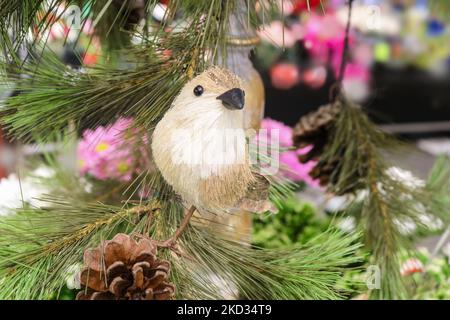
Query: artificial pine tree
column 351, row 160
column 144, row 66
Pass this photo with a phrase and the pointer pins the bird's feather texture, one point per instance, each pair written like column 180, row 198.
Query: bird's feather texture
column 201, row 150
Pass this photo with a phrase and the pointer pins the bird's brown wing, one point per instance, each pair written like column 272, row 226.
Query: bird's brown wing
column 256, row 198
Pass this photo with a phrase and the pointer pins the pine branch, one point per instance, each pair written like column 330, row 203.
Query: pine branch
column 38, row 247
column 17, row 18
column 387, row 202
column 57, row 95
column 53, row 95
column 308, row 272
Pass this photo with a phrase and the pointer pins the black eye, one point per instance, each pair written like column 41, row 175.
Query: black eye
column 198, row 91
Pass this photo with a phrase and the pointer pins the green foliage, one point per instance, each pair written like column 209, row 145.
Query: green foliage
column 17, row 17
column 52, row 95
column 296, row 222
column 386, row 201
column 55, row 96
column 299, row 222
column 38, row 247
column 433, row 283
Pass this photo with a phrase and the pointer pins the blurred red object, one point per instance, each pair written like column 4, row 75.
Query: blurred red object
column 315, row 77
column 90, row 59
column 412, row 265
column 302, row 5
column 284, row 75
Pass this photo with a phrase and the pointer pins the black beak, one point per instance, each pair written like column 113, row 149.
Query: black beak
column 233, row 99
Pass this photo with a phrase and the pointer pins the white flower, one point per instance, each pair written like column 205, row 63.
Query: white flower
column 14, row 192
column 406, row 226
column 10, row 195
column 431, row 222
column 406, row 177
column 347, row 224
column 73, row 276
column 43, row 172
column 337, row 203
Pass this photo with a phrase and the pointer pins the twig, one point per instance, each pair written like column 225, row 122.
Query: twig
column 163, row 245
column 171, row 242
column 338, row 85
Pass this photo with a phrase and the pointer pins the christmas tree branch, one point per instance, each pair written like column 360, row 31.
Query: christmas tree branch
column 384, row 203
column 53, row 95
column 44, row 244
column 344, row 59
column 308, row 272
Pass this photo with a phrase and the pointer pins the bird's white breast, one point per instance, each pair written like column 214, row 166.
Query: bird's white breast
column 194, row 142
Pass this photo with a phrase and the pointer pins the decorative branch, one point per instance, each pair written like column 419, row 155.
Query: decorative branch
column 345, row 52
column 35, row 260
column 184, row 223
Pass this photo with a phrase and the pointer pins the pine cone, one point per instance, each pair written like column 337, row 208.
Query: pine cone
column 134, row 11
column 323, row 172
column 123, row 269
column 313, row 130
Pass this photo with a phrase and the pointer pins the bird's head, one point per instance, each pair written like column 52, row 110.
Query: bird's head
column 214, row 90
column 204, row 128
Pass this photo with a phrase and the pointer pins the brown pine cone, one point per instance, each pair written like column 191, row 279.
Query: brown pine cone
column 315, row 130
column 312, row 129
column 323, row 172
column 123, row 269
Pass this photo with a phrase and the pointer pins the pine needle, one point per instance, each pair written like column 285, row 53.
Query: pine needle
column 38, row 247
column 384, row 202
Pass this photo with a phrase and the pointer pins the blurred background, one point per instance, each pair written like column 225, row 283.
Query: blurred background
column 399, row 67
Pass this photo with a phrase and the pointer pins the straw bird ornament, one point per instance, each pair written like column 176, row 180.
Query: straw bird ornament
column 199, row 146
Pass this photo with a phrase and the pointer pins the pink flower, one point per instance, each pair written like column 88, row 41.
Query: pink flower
column 291, row 166
column 295, row 170
column 108, row 152
column 357, row 71
column 324, row 38
column 285, row 132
